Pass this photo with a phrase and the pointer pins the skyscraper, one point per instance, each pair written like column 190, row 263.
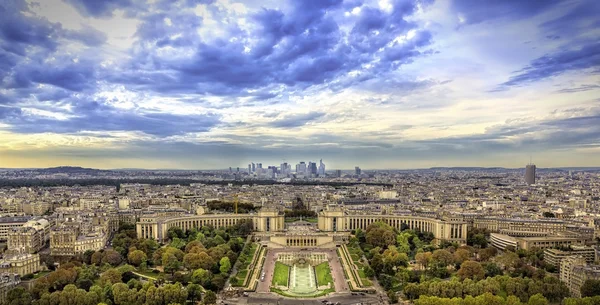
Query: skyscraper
column 312, row 168
column 249, row 168
column 253, row 167
column 530, row 173
column 301, row 168
column 357, row 170
column 321, row 168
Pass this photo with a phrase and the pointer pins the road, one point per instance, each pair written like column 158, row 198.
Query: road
column 273, row 299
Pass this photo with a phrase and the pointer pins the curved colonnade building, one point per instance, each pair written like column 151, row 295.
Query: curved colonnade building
column 334, row 225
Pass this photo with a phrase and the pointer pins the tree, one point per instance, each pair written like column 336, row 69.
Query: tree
column 137, row 257
column 424, row 259
column 472, row 270
column 369, row 272
column 111, row 257
column 194, row 246
column 111, row 276
column 194, row 292
column 225, row 265
column 461, row 255
column 549, row 215
column 491, row 270
column 174, row 294
column 193, row 261
column 392, row 258
column 18, row 296
column 87, row 256
column 392, row 297
column 210, row 298
column 61, row 278
column 402, row 241
column 590, row 288
column 200, row 276
column 487, row 253
column 172, row 266
column 508, row 260
column 381, row 235
column 96, row 258
column 537, row 299
column 175, row 232
column 442, row 257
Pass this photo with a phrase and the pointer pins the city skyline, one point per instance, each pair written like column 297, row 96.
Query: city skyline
column 376, row 84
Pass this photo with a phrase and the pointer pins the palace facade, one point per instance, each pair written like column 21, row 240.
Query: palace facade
column 334, row 225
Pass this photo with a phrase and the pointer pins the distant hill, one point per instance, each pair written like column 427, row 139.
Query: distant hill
column 471, row 168
column 69, row 170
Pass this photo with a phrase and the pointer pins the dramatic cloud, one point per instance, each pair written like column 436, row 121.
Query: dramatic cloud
column 393, row 83
column 555, row 64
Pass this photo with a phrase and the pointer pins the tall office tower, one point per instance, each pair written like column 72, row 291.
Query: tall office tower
column 530, row 173
column 321, row 168
column 313, row 168
column 230, row 169
column 338, row 173
column 283, row 169
column 258, row 165
column 238, row 169
column 253, row 167
column 357, row 170
column 301, row 168
column 249, row 168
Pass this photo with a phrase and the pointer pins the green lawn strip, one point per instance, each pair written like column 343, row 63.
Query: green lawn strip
column 256, row 253
column 280, row 275
column 348, row 263
column 285, row 294
column 149, row 274
column 40, row 274
column 323, row 274
column 355, row 273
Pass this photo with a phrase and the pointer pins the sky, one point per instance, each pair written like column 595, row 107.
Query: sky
column 207, row 84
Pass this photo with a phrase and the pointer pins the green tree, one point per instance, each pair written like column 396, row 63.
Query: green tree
column 487, row 253
column 96, row 258
column 174, row 293
column 491, row 270
column 175, row 232
column 172, row 266
column 590, row 288
column 225, row 265
column 442, row 257
column 210, row 298
column 392, row 258
column 194, row 292
column 461, row 255
column 194, row 246
column 193, row 261
column 472, row 270
column 423, row 259
column 111, row 257
column 111, row 276
column 137, row 257
column 200, row 276
column 508, row 260
column 381, row 235
column 392, row 297
column 18, row 296
column 537, row 299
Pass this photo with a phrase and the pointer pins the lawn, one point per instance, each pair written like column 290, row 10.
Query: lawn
column 280, row 275
column 323, row 274
column 40, row 274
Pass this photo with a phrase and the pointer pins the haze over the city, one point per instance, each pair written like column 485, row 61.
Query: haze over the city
column 377, row 84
